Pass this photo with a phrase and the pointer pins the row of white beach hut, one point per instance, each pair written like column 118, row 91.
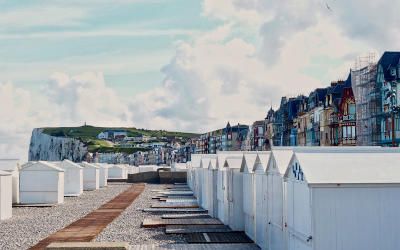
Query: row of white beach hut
column 44, row 182
column 304, row 197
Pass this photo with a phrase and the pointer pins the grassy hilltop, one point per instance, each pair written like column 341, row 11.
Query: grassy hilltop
column 88, row 135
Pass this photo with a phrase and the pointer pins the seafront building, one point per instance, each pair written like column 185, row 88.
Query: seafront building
column 363, row 109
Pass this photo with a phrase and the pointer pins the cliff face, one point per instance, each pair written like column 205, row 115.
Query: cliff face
column 44, row 147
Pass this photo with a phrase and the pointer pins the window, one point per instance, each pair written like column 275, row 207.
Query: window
column 344, row 132
column 352, row 109
column 393, row 71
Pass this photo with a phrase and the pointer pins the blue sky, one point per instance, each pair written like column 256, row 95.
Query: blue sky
column 188, row 65
column 129, row 41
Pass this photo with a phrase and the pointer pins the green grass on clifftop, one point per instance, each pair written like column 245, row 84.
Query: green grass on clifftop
column 91, row 132
column 88, row 135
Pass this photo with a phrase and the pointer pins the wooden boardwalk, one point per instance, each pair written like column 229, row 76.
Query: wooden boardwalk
column 185, row 229
column 199, row 229
column 87, row 228
column 158, row 222
column 197, row 247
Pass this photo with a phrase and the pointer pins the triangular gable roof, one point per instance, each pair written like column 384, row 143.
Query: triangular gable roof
column 9, row 164
column 196, row 159
column 261, row 162
column 221, row 156
column 204, row 162
column 69, row 164
column 4, row 173
column 249, row 159
column 103, row 165
column 233, row 162
column 281, row 158
column 40, row 166
column 212, row 164
column 88, row 165
column 345, row 168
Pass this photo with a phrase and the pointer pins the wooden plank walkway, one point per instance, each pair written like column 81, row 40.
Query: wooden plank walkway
column 88, row 227
column 176, row 193
column 176, row 205
column 185, row 229
column 225, row 237
column 185, row 216
column 175, row 210
column 178, row 200
column 197, row 247
column 158, row 222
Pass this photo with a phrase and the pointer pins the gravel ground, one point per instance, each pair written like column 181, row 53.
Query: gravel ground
column 29, row 224
column 127, row 227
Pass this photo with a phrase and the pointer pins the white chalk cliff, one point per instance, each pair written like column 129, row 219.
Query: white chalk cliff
column 44, row 147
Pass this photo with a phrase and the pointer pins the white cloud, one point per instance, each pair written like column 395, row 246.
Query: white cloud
column 86, row 98
column 65, row 101
column 297, row 46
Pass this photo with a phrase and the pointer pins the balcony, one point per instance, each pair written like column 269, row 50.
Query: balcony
column 334, row 119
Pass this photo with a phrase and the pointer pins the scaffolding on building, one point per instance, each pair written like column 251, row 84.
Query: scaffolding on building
column 368, row 98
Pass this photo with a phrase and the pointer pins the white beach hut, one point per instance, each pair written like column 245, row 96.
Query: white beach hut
column 343, row 201
column 275, row 228
column 5, row 195
column 12, row 166
column 73, row 178
column 189, row 174
column 192, row 165
column 234, row 197
column 222, row 183
column 132, row 169
column 117, row 172
column 90, row 176
column 41, row 183
column 196, row 160
column 212, row 188
column 103, row 174
column 203, row 177
column 260, row 197
column 179, row 167
column 248, row 194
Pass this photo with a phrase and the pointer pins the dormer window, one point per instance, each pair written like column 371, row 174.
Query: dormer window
column 393, row 71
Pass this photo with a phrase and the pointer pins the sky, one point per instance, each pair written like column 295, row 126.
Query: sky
column 174, row 64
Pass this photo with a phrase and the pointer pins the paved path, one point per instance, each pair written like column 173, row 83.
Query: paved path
column 88, row 227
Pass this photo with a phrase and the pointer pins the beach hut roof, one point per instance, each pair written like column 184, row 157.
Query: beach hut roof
column 4, row 173
column 233, row 162
column 221, row 156
column 40, row 166
column 120, row 166
column 9, row 164
column 261, row 162
column 204, row 162
column 345, row 168
column 281, row 158
column 69, row 164
column 88, row 165
column 213, row 163
column 249, row 159
column 196, row 159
